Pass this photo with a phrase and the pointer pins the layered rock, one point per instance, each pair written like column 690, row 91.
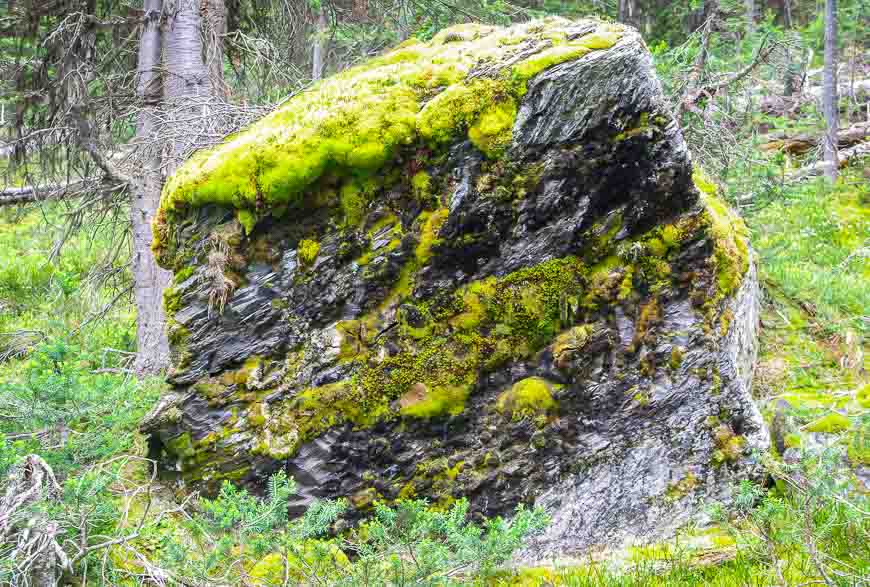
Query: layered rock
column 475, row 267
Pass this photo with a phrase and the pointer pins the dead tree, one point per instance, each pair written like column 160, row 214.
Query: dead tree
column 829, row 90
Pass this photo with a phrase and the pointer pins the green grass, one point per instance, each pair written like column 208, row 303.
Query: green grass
column 812, row 248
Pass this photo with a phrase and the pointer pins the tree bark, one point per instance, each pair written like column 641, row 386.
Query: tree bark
column 186, row 90
column 149, row 279
column 829, row 90
column 214, row 13
column 750, row 16
column 318, row 54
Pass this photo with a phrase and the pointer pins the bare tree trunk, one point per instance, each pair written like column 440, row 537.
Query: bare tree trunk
column 186, row 88
column 750, row 16
column 829, row 89
column 149, row 279
column 319, row 51
column 626, row 11
column 214, row 13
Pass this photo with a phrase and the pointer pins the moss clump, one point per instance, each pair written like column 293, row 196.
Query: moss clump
column 570, row 343
column 682, row 488
column 830, row 424
column 560, row 53
column 421, row 402
column 526, row 399
column 353, row 125
column 432, row 222
column 677, row 353
column 493, row 131
column 307, row 251
column 729, row 446
column 421, row 184
column 730, row 238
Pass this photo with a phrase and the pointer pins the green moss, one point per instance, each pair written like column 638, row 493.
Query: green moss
column 676, row 357
column 792, row 441
column 422, row 402
column 247, row 219
column 171, row 300
column 729, row 446
column 682, row 488
column 532, row 66
column 570, row 343
column 526, row 398
column 358, row 122
column 858, row 448
column 730, row 238
column 307, row 251
column 493, row 131
column 432, row 223
column 421, row 183
column 831, row 423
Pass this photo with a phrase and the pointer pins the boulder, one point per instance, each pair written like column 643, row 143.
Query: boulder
column 477, row 267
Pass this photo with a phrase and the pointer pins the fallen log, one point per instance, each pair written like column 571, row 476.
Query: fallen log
column 800, row 144
column 844, row 157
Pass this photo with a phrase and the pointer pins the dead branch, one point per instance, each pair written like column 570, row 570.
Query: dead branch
column 695, row 93
column 800, row 144
column 846, row 156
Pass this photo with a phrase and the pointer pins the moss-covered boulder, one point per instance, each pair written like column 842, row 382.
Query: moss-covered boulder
column 480, row 267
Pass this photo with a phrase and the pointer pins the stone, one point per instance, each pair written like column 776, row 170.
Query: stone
column 496, row 211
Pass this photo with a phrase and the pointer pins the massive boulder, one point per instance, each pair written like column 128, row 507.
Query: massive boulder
column 480, row 266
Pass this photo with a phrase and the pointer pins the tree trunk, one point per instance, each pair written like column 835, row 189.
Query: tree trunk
column 186, row 88
column 214, row 13
column 829, row 89
column 149, row 279
column 626, row 11
column 319, row 51
column 750, row 16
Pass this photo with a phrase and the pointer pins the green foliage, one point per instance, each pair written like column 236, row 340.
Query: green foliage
column 409, row 543
column 816, row 527
column 90, row 416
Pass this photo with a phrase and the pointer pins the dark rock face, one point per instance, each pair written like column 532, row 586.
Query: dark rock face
column 569, row 323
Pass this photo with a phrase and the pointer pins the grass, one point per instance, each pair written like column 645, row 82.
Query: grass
column 812, row 246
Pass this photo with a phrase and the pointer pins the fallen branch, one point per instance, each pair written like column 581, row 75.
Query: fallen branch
column 800, row 144
column 818, row 168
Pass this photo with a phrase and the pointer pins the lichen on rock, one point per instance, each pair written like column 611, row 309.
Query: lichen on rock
column 475, row 267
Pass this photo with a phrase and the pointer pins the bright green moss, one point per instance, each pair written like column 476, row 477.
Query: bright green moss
column 171, row 300
column 432, row 223
column 730, row 238
column 526, row 398
column 358, row 122
column 440, row 401
column 421, row 183
column 247, row 219
column 492, row 133
column 792, row 441
column 676, row 357
column 307, row 251
column 831, row 423
column 729, row 446
column 604, row 38
column 682, row 488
